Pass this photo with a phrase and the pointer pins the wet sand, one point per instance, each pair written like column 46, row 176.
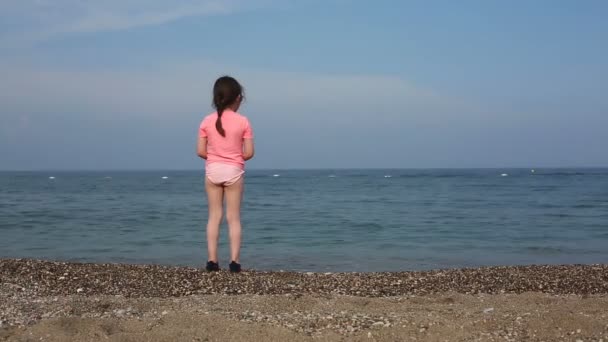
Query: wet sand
column 53, row 301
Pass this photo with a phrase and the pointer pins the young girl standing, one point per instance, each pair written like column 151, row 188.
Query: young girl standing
column 225, row 142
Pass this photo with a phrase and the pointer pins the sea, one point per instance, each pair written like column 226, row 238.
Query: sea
column 313, row 220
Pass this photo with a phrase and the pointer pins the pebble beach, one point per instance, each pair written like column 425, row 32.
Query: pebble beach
column 61, row 301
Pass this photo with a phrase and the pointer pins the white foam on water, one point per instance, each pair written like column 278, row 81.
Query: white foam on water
column 387, row 176
column 165, row 177
column 332, row 176
column 504, row 175
column 532, row 170
column 276, row 175
column 51, row 177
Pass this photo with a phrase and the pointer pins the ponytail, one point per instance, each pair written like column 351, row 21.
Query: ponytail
column 226, row 92
column 218, row 122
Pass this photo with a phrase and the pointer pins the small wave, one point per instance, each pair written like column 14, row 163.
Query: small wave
column 542, row 188
column 544, row 250
column 560, row 215
column 366, row 226
column 548, row 250
column 566, row 174
column 583, row 206
column 602, row 235
column 446, row 176
column 251, row 176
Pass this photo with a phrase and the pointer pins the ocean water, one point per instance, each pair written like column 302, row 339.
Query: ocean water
column 322, row 220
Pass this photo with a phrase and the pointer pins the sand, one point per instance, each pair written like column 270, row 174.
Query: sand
column 52, row 301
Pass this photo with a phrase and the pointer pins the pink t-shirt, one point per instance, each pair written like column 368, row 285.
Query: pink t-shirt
column 228, row 149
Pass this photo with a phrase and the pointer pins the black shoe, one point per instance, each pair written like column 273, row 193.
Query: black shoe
column 212, row 266
column 235, row 267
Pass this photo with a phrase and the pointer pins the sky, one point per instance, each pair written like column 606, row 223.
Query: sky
column 124, row 84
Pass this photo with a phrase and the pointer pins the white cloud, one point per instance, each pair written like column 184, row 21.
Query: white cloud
column 186, row 88
column 178, row 87
column 33, row 20
column 112, row 20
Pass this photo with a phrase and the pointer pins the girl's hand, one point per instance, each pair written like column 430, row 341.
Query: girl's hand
column 201, row 149
column 248, row 149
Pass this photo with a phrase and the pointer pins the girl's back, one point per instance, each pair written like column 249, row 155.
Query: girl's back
column 226, row 149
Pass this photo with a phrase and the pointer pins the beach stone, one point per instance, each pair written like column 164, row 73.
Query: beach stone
column 146, row 281
column 119, row 312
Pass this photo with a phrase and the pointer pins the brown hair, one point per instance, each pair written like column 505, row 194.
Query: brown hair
column 226, row 91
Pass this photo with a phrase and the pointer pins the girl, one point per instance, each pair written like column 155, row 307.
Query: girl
column 225, row 142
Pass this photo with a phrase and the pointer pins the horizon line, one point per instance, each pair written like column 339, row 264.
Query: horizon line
column 306, row 169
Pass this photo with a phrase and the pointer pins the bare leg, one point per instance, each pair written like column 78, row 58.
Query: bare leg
column 215, row 198
column 234, row 194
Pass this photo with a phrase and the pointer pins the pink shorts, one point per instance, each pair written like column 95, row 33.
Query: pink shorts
column 223, row 174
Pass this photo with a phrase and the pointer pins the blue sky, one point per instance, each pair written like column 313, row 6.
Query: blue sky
column 330, row 84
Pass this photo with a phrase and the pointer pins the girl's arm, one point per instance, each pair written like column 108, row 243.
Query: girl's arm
column 201, row 149
column 248, row 149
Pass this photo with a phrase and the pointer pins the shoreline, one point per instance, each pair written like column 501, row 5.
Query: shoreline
column 65, row 301
column 148, row 280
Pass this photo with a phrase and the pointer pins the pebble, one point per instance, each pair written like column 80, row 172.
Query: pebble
column 163, row 281
column 43, row 279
